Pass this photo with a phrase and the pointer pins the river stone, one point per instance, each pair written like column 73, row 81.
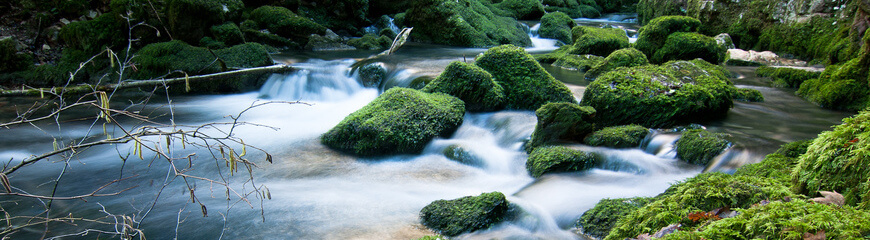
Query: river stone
column 628, row 136
column 561, row 122
column 626, row 57
column 372, row 75
column 556, row 159
column 699, row 146
column 466, row 214
column 399, row 121
column 557, row 26
column 598, row 41
column 470, row 83
column 526, row 84
column 466, row 23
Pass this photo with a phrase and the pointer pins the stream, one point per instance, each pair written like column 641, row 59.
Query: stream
column 317, row 193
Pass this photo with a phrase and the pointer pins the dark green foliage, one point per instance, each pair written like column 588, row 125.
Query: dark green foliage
column 626, row 57
column 285, row 23
column 785, row 76
column 349, row 15
column 700, row 146
column 628, row 136
column 371, row 42
column 598, row 41
column 574, row 8
column 526, row 84
column 738, row 62
column 466, row 23
column 689, row 46
column 748, row 95
column 794, row 149
column 11, row 59
column 189, row 20
column 837, row 161
column 559, row 122
column 704, row 192
column 522, row 9
column 466, row 214
column 470, row 83
column 823, row 38
column 399, row 121
column 609, row 6
column 648, row 10
column 93, row 36
column 840, row 87
column 653, row 36
column 789, row 220
column 228, row 33
column 598, row 221
column 555, row 159
column 778, row 165
column 660, row 96
column 557, row 26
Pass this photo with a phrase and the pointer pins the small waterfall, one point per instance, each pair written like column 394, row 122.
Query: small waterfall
column 315, row 80
column 538, row 43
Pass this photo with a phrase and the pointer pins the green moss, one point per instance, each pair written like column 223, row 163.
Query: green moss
column 626, row 57
column 522, row 9
column 372, row 75
column 578, row 62
column 470, row 83
column 790, row 220
column 747, row 95
column 837, row 161
column 12, row 60
column 557, row 26
column 794, row 149
column 840, row 87
column 744, row 63
column 689, row 46
column 574, row 8
column 660, row 96
column 190, row 19
column 93, row 36
column 823, row 38
column 704, row 192
column 648, row 10
column 466, row 23
column 466, row 214
column 370, row 42
column 558, row 122
column 285, row 23
column 598, row 41
column 598, row 221
column 348, row 15
column 786, row 77
column 399, row 121
column 653, row 36
column 526, row 84
column 700, row 146
column 628, row 136
column 228, row 33
column 555, row 159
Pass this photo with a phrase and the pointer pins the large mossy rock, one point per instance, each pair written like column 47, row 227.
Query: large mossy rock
column 660, row 96
column 371, row 42
column 689, row 46
column 466, row 214
column 598, row 221
column 598, row 41
column 190, row 20
column 628, row 136
column 705, row 192
column 285, row 23
column 626, row 57
column 653, row 36
column 522, row 9
column 562, row 122
column 229, row 34
column 465, row 23
column 92, row 36
column 399, row 121
column 699, row 146
column 837, row 160
column 557, row 26
column 348, row 15
column 748, row 95
column 555, row 159
column 574, row 8
column 526, row 84
column 472, row 84
column 840, row 87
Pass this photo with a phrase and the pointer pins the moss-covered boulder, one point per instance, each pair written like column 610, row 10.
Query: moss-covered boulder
column 785, row 76
column 561, row 122
column 557, row 25
column 626, row 57
column 699, row 146
column 748, row 95
column 578, row 62
column 628, row 136
column 660, row 96
column 253, row 33
column 555, row 159
column 688, row 46
column 574, row 8
column 286, row 23
column 702, row 193
column 228, row 33
column 371, row 42
column 522, row 9
column 473, row 85
column 795, row 219
column 466, row 214
column 11, row 58
column 653, row 36
column 466, row 23
column 598, row 221
column 526, row 84
column 399, row 121
column 92, row 36
column 597, row 41
column 837, row 161
column 372, row 75
column 840, row 87
column 778, row 165
column 189, row 20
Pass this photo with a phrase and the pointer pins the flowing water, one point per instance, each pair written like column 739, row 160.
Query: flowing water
column 317, row 193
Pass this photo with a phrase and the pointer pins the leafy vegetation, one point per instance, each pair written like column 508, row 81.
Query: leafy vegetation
column 599, row 220
column 557, row 25
column 699, row 146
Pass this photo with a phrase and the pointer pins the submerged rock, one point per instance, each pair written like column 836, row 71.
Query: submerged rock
column 653, row 36
column 777, row 165
column 371, row 42
column 574, row 8
column 472, row 84
column 372, row 75
column 598, row 41
column 700, row 146
column 561, row 122
column 554, row 159
column 400, row 120
column 557, row 26
column 466, row 214
column 628, row 136
column 466, row 23
column 526, row 84
column 598, row 221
